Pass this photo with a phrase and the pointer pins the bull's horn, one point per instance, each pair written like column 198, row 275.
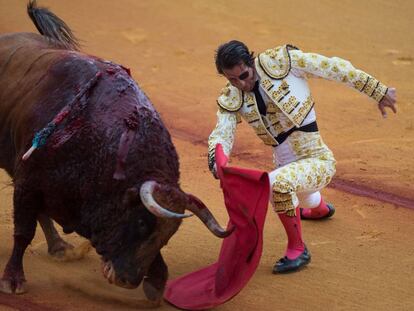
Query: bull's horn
column 147, row 199
column 201, row 211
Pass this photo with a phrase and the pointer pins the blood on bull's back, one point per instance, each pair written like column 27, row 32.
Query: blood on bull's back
column 108, row 133
column 38, row 81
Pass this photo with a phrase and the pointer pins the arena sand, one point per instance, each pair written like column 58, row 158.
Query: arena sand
column 363, row 258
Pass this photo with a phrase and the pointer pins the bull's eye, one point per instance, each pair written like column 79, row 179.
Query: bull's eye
column 142, row 227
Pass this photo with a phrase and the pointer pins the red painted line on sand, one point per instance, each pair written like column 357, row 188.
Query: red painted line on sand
column 364, row 191
column 20, row 303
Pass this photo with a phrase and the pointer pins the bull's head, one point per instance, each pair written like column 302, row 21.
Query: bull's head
column 141, row 259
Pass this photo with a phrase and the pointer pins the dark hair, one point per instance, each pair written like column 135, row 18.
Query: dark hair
column 231, row 54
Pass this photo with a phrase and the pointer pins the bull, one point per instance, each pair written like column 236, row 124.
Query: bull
column 85, row 147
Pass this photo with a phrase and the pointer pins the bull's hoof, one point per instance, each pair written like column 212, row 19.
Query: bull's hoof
column 16, row 287
column 151, row 292
column 63, row 251
column 59, row 248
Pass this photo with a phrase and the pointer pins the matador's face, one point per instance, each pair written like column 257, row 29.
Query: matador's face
column 241, row 76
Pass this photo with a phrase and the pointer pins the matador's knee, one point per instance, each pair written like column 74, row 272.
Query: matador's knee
column 284, row 199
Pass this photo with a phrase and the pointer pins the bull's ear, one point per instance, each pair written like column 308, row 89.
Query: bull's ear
column 131, row 197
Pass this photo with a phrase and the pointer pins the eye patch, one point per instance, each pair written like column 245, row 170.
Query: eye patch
column 244, row 75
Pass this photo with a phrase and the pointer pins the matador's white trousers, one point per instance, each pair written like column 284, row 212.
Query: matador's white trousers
column 304, row 165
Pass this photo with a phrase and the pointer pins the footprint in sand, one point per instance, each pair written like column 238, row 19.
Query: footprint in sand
column 317, row 243
column 180, row 52
column 370, row 236
column 403, row 60
column 392, row 52
column 135, row 36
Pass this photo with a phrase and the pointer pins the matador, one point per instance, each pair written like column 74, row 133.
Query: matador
column 271, row 93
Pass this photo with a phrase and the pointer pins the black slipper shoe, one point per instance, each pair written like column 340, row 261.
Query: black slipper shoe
column 285, row 265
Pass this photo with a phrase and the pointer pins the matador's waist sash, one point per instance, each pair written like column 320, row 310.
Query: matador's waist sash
column 311, row 127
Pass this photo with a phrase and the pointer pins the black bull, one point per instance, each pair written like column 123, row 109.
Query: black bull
column 105, row 163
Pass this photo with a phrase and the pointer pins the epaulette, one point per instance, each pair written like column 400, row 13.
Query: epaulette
column 276, row 62
column 230, row 99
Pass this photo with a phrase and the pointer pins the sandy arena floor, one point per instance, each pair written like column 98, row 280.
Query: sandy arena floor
column 363, row 258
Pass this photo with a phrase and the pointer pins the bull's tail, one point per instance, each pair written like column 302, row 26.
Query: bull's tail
column 51, row 26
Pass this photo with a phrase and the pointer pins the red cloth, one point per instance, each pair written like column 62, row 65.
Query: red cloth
column 246, row 195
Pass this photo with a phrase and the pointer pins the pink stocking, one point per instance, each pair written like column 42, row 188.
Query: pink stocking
column 293, row 230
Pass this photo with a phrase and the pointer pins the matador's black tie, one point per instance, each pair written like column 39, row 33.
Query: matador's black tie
column 259, row 99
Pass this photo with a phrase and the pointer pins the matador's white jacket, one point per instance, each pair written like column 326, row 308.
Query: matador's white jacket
column 283, row 73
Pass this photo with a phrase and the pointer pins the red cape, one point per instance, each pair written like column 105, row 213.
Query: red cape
column 246, row 195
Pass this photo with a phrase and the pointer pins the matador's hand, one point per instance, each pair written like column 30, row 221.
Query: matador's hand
column 389, row 101
column 221, row 160
column 214, row 171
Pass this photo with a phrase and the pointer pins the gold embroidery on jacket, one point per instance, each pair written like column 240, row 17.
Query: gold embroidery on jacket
column 259, row 124
column 261, row 130
column 379, row 92
column 276, row 62
column 361, row 81
column 370, row 86
column 266, row 138
column 280, row 93
column 267, row 84
column 337, row 69
column 291, row 104
column 271, row 114
column 230, row 98
column 252, row 116
column 250, row 102
column 303, row 111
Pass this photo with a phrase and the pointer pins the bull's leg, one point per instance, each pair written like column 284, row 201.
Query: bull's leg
column 154, row 282
column 26, row 205
column 56, row 246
